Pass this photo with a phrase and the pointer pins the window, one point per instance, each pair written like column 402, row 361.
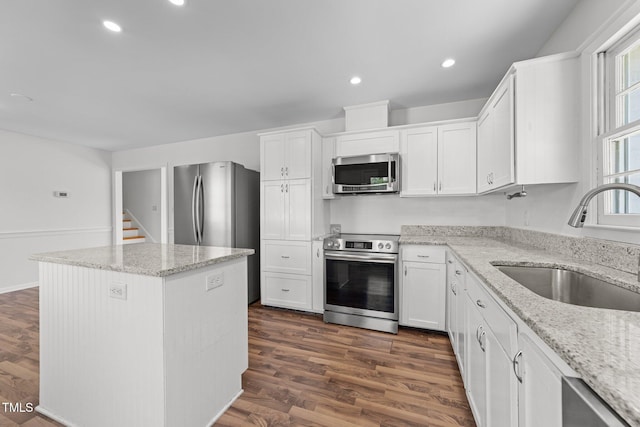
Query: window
column 620, row 131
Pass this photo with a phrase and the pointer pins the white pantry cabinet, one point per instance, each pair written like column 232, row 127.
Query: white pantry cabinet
column 292, row 212
column 328, row 153
column 528, row 129
column 286, row 155
column 439, row 159
column 423, row 287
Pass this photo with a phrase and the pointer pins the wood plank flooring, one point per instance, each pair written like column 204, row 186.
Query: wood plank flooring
column 305, row 372
column 302, row 372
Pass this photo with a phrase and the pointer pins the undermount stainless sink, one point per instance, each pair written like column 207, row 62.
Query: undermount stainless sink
column 573, row 288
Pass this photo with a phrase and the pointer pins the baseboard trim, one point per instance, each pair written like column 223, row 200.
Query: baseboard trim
column 18, row 287
column 223, row 410
column 54, row 417
column 53, row 232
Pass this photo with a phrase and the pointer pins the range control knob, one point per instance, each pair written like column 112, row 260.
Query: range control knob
column 388, row 246
column 380, row 245
column 330, row 244
column 336, row 245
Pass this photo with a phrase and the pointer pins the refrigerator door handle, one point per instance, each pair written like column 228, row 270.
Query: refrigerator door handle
column 193, row 209
column 200, row 210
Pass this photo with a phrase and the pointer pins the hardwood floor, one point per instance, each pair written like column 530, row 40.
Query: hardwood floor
column 301, row 372
column 305, row 372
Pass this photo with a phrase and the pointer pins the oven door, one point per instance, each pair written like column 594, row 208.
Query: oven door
column 362, row 284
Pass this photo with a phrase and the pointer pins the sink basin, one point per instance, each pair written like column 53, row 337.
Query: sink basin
column 573, row 288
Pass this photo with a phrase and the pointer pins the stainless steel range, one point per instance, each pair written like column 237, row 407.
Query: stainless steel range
column 361, row 281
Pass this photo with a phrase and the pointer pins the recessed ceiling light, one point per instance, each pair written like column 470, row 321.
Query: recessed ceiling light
column 355, row 80
column 112, row 26
column 177, row 2
column 448, row 63
column 21, row 97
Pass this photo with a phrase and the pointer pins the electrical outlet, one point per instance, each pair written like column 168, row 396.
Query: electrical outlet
column 215, row 281
column 118, row 290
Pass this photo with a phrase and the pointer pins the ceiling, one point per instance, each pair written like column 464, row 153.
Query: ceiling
column 216, row 67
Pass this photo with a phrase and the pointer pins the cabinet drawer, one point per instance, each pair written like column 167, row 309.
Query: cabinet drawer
column 286, row 256
column 424, row 253
column 286, row 290
column 503, row 327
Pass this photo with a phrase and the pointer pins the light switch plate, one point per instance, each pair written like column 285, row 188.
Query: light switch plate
column 215, row 281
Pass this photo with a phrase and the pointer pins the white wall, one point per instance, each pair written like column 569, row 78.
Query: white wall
column 31, row 219
column 140, row 194
column 548, row 207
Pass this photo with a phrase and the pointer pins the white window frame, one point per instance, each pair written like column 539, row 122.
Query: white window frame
column 607, row 124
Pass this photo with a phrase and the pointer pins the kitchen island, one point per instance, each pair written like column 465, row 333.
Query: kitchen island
column 144, row 334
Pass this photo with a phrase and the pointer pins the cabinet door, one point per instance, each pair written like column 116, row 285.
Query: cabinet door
column 358, row 144
column 298, row 209
column 423, row 295
column 475, row 381
column 502, row 385
column 419, row 156
column 272, row 157
column 317, row 257
column 286, row 290
column 502, row 150
column 328, row 153
column 485, row 135
column 273, row 210
column 457, row 159
column 452, row 315
column 297, row 155
column 540, row 392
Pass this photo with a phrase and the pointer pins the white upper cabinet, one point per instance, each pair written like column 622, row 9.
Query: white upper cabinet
column 286, row 155
column 419, row 157
column 439, row 160
column 528, row 130
column 358, row 144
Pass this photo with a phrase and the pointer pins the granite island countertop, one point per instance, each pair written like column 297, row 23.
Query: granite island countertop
column 148, row 259
column 601, row 345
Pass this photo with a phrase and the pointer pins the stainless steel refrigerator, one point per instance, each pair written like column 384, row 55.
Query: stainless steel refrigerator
column 218, row 204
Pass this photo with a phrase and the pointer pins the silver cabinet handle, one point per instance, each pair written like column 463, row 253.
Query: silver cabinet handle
column 282, row 188
column 285, row 290
column 458, row 273
column 405, row 270
column 434, row 186
column 282, row 171
column 516, row 365
column 326, row 189
column 440, row 186
column 481, row 304
column 286, row 170
column 450, row 261
column 318, row 253
column 453, row 289
column 286, row 188
column 478, row 332
column 284, row 256
column 488, row 180
column 483, row 334
column 423, row 256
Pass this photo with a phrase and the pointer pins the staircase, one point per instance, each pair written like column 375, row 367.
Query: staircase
column 130, row 234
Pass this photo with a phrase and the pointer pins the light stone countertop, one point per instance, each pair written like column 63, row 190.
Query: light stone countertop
column 148, row 259
column 601, row 345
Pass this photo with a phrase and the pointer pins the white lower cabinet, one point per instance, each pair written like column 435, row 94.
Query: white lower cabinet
column 541, row 387
column 317, row 268
column 286, row 290
column 423, row 288
column 492, row 386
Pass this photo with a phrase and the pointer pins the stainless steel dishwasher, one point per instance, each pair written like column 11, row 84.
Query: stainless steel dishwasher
column 582, row 407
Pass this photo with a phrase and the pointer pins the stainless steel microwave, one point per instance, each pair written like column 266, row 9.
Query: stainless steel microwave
column 374, row 173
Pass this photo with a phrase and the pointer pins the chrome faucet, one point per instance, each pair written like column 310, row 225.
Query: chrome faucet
column 580, row 213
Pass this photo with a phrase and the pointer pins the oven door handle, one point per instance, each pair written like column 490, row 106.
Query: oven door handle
column 379, row 258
